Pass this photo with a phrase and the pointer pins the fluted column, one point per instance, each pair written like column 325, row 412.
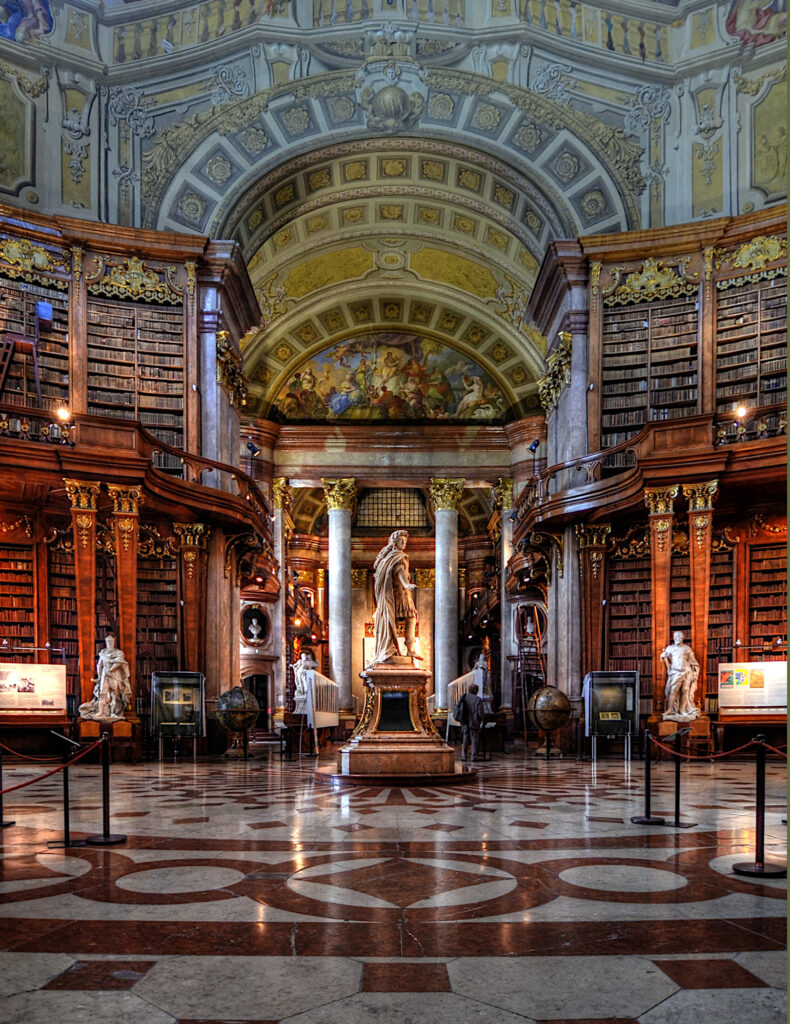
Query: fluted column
column 503, row 500
column 281, row 494
column 340, row 497
column 445, row 496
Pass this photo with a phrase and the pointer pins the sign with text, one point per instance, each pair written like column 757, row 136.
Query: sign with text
column 753, row 688
column 39, row 688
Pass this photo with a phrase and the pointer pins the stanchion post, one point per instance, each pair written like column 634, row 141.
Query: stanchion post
column 647, row 818
column 677, row 823
column 67, row 841
column 759, row 866
column 3, row 822
column 106, row 838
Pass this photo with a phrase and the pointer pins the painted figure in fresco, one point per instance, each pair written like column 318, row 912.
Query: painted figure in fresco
column 757, row 21
column 112, row 693
column 24, row 20
column 394, row 602
column 682, row 676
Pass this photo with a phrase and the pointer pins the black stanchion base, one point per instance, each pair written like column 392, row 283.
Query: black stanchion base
column 680, row 824
column 60, row 844
column 649, row 821
column 7, row 824
column 111, row 840
column 768, row 869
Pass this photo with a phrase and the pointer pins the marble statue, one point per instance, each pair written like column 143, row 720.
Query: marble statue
column 682, row 677
column 112, row 693
column 305, row 663
column 393, row 595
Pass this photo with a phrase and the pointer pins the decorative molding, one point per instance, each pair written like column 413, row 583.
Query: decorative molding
column 635, row 544
column 426, row 579
column 245, row 545
column 192, row 538
column 320, row 579
column 661, row 527
column 556, row 545
column 82, row 493
column 340, row 493
column 660, row 500
column 655, row 280
column 359, row 579
column 191, row 268
column 593, row 535
column 76, row 262
column 30, row 262
column 752, row 86
column 758, row 523
column 558, row 375
column 154, row 545
column 595, row 279
column 33, row 89
column 701, row 496
column 230, row 375
column 21, row 522
column 503, row 493
column 445, row 492
column 700, row 522
column 133, row 279
column 281, row 493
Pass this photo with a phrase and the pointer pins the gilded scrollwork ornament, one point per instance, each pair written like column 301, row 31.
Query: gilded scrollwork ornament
column 230, row 375
column 558, row 375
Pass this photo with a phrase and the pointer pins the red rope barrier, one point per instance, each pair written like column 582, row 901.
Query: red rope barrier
column 700, row 757
column 60, row 767
column 26, row 757
column 776, row 750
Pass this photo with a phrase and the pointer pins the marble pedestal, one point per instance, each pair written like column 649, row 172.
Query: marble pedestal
column 395, row 735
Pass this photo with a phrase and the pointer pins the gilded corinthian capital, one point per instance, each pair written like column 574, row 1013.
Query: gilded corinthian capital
column 503, row 493
column 659, row 500
column 446, row 492
column 125, row 500
column 82, row 493
column 701, row 496
column 340, row 493
column 281, row 492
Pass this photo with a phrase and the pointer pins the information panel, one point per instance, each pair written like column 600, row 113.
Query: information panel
column 752, row 688
column 35, row 688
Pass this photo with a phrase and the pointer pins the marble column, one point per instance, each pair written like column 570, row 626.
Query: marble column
column 281, row 494
column 340, row 497
column 445, row 496
column 503, row 500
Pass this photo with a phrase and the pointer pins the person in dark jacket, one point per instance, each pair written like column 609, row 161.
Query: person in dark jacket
column 472, row 712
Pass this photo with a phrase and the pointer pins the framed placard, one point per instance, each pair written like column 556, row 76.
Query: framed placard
column 755, row 689
column 32, row 688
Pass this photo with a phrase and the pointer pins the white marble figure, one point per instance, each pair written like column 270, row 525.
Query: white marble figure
column 254, row 629
column 112, row 693
column 682, row 677
column 305, row 663
column 393, row 595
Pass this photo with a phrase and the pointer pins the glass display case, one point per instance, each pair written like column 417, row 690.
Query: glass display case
column 611, row 707
column 178, row 707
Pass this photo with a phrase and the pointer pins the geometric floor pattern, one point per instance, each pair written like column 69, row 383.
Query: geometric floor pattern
column 252, row 892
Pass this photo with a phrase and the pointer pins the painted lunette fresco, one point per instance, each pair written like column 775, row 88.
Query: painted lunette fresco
column 391, row 376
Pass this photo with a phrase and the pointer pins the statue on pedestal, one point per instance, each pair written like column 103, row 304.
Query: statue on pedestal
column 682, row 677
column 393, row 595
column 301, row 668
column 112, row 693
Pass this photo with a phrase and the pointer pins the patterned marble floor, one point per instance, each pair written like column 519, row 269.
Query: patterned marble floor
column 250, row 892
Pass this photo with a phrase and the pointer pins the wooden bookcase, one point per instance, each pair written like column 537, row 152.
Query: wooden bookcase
column 767, row 597
column 17, row 597
column 136, row 367
column 680, row 596
column 751, row 343
column 106, row 598
column 649, row 358
column 63, row 627
column 157, row 619
column 18, row 316
column 721, row 617
column 629, row 603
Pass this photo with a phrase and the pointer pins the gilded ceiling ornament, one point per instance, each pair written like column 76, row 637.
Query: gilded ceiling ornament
column 558, row 374
column 219, row 169
column 192, row 206
column 230, row 375
column 653, row 281
column 487, row 117
column 319, row 179
column 391, row 109
column 700, row 496
column 659, row 500
column 752, row 86
column 31, row 262
column 32, row 88
column 340, row 493
column 355, row 171
column 297, row 120
column 254, row 140
column 441, row 106
column 132, row 279
column 445, row 492
column 433, row 170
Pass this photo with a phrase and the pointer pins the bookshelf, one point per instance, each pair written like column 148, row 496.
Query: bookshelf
column 751, row 341
column 157, row 619
column 17, row 597
column 767, row 597
column 106, row 618
column 63, row 630
column 649, row 363
column 18, row 316
column 680, row 596
column 721, row 622
column 136, row 368
column 629, row 603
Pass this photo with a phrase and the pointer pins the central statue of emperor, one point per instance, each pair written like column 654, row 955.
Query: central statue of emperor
column 393, row 594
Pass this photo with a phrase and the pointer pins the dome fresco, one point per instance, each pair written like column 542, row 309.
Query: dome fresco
column 391, row 376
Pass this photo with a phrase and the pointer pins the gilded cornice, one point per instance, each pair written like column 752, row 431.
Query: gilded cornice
column 230, row 375
column 151, row 544
column 281, row 493
column 558, row 375
column 445, row 492
column 660, row 500
column 700, row 496
column 340, row 493
column 654, row 280
column 503, row 493
column 26, row 261
column 135, row 280
column 753, row 256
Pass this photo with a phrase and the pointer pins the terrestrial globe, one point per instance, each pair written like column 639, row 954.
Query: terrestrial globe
column 237, row 709
column 549, row 708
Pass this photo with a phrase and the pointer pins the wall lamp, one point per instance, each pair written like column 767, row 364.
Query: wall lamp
column 534, row 446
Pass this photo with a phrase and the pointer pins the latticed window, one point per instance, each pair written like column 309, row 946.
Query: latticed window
column 392, row 507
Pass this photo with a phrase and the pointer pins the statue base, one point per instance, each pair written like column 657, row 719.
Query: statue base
column 395, row 735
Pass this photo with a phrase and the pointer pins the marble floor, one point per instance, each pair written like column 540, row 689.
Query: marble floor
column 252, row 892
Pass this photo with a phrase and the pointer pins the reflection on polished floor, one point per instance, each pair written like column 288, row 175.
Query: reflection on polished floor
column 250, row 892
